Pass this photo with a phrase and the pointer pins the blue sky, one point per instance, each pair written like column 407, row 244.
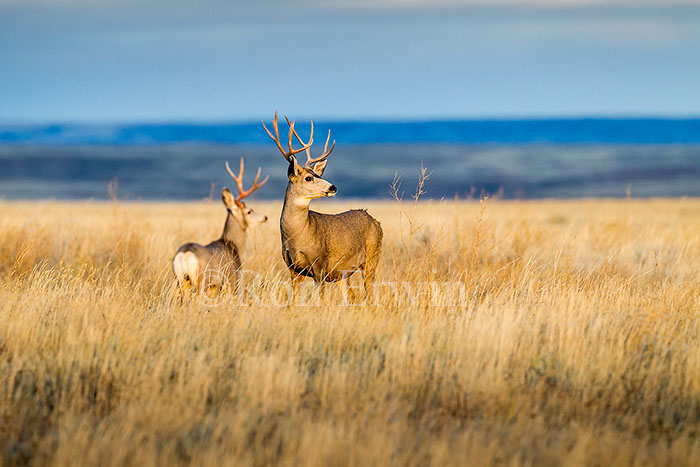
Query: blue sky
column 122, row 60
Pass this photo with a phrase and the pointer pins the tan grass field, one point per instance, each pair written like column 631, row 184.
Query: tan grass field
column 575, row 340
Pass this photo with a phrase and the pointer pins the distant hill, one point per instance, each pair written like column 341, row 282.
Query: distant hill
column 553, row 131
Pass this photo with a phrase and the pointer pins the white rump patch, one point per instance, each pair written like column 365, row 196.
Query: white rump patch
column 185, row 264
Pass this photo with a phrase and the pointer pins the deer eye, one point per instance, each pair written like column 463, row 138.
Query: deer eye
column 308, row 178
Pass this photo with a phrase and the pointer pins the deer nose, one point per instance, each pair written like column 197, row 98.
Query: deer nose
column 265, row 219
column 332, row 189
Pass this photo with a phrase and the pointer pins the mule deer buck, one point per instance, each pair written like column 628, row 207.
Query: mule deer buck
column 209, row 268
column 325, row 247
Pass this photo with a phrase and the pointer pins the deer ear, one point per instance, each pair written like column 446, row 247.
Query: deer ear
column 294, row 167
column 228, row 198
column 320, row 167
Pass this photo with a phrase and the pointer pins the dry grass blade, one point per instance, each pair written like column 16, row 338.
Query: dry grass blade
column 527, row 333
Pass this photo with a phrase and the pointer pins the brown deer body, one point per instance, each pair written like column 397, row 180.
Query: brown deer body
column 325, row 247
column 209, row 268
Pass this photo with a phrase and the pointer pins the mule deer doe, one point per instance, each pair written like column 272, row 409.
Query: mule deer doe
column 325, row 247
column 208, row 268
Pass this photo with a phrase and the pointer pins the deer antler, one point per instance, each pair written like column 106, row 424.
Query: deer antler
column 326, row 152
column 239, row 182
column 312, row 160
column 276, row 138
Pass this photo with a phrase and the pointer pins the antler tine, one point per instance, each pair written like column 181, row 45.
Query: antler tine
column 311, row 137
column 255, row 186
column 276, row 138
column 257, row 177
column 326, row 152
column 239, row 178
column 293, row 131
column 239, row 181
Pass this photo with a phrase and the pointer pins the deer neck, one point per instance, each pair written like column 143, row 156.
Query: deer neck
column 234, row 233
column 295, row 212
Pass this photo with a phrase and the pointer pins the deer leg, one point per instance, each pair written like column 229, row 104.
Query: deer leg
column 185, row 290
column 321, row 289
column 213, row 290
column 368, row 274
column 348, row 290
column 207, row 287
column 296, row 281
column 372, row 251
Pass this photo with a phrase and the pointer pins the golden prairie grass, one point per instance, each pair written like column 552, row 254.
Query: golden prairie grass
column 575, row 340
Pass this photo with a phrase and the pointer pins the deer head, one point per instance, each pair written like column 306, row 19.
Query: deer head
column 245, row 216
column 305, row 183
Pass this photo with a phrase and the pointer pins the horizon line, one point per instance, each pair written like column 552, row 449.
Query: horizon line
column 368, row 119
